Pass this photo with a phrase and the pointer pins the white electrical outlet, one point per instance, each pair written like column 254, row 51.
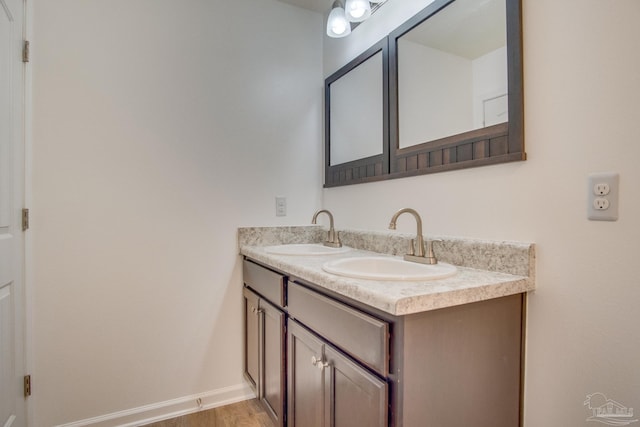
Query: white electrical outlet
column 281, row 206
column 601, row 189
column 601, row 203
column 603, row 196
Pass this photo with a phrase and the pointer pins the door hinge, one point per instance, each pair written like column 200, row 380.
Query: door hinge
column 25, row 51
column 27, row 385
column 25, row 219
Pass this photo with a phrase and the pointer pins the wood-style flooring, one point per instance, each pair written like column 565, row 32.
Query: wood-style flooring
column 248, row 413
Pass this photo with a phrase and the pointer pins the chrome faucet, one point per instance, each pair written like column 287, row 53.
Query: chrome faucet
column 416, row 247
column 333, row 238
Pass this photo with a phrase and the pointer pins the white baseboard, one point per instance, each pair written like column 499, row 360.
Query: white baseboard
column 169, row 409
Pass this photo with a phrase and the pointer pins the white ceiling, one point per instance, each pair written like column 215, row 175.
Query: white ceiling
column 467, row 28
column 316, row 5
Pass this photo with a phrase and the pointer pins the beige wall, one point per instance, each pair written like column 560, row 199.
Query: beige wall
column 582, row 85
column 159, row 128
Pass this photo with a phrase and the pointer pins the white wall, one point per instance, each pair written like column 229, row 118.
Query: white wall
column 442, row 94
column 159, row 128
column 582, row 85
column 435, row 94
column 489, row 81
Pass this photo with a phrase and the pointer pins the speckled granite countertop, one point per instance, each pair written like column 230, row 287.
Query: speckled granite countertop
column 486, row 269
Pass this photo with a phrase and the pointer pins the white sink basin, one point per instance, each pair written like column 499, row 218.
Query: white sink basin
column 387, row 268
column 305, row 249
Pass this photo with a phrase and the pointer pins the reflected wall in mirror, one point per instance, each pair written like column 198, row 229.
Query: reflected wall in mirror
column 357, row 119
column 356, row 112
column 456, row 87
column 452, row 72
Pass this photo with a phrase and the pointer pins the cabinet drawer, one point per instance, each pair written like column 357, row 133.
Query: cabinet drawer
column 269, row 284
column 362, row 336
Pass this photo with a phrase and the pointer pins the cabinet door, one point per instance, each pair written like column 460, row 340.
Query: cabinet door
column 357, row 398
column 306, row 379
column 251, row 338
column 328, row 389
column 273, row 362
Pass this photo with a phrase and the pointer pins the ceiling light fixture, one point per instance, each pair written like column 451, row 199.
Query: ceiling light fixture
column 337, row 24
column 346, row 16
column 357, row 10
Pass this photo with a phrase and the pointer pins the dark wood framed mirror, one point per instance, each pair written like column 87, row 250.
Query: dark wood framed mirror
column 423, row 121
column 357, row 119
column 456, row 93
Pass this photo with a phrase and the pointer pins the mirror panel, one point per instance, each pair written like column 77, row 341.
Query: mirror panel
column 357, row 119
column 356, row 112
column 452, row 72
column 456, row 87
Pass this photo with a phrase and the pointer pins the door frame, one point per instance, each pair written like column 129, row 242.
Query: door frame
column 20, row 166
column 28, row 273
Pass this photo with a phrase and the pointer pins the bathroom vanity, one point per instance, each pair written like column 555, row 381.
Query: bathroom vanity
column 325, row 350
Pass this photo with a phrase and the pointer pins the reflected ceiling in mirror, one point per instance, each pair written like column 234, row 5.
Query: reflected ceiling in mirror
column 452, row 72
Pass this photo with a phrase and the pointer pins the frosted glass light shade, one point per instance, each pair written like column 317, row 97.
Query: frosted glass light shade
column 357, row 10
column 337, row 24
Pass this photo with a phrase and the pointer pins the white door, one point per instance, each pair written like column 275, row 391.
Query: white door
column 12, row 300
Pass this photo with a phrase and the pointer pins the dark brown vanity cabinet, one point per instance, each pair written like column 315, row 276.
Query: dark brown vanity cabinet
column 351, row 365
column 346, row 364
column 265, row 341
column 328, row 389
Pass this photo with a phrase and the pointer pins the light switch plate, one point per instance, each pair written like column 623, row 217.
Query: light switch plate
column 281, row 206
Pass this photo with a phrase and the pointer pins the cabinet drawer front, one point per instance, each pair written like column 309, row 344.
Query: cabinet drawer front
column 362, row 336
column 269, row 284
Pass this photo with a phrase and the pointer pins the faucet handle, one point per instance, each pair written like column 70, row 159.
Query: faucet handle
column 412, row 250
column 333, row 239
column 430, row 254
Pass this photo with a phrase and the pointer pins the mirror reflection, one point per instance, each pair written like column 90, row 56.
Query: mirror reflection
column 452, row 72
column 356, row 108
